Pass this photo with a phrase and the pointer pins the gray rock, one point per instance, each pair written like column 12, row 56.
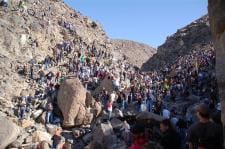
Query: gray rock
column 149, row 116
column 116, row 123
column 104, row 133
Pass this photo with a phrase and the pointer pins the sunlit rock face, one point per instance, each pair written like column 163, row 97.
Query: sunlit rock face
column 216, row 10
column 192, row 37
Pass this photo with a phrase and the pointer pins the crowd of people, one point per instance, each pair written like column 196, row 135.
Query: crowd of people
column 149, row 91
column 156, row 91
column 189, row 77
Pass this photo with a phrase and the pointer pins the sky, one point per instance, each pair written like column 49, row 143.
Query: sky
column 145, row 21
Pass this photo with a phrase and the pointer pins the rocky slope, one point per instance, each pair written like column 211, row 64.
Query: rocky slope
column 136, row 53
column 192, row 37
column 32, row 34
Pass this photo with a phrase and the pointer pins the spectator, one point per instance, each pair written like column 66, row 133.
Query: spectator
column 170, row 138
column 205, row 134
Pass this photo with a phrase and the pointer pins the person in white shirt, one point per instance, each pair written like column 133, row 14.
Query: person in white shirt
column 112, row 96
column 166, row 114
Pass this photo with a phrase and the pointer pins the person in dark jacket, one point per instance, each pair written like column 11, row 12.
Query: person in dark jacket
column 170, row 138
column 205, row 134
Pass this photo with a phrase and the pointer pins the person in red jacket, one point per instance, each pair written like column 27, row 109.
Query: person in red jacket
column 139, row 138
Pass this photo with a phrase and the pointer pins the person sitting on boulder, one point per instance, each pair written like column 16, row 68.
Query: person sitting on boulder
column 4, row 3
column 50, row 117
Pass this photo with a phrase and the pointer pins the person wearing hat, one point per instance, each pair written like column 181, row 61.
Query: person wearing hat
column 205, row 134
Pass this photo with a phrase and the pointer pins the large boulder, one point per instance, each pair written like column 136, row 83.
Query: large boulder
column 8, row 132
column 71, row 96
column 76, row 104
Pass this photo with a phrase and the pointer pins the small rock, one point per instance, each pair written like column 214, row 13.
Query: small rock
column 116, row 123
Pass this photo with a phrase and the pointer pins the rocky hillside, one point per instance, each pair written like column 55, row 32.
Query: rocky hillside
column 32, row 33
column 192, row 37
column 136, row 53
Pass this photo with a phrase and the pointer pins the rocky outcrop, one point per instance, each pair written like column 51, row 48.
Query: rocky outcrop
column 135, row 53
column 33, row 34
column 216, row 10
column 8, row 132
column 76, row 105
column 192, row 37
column 71, row 101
